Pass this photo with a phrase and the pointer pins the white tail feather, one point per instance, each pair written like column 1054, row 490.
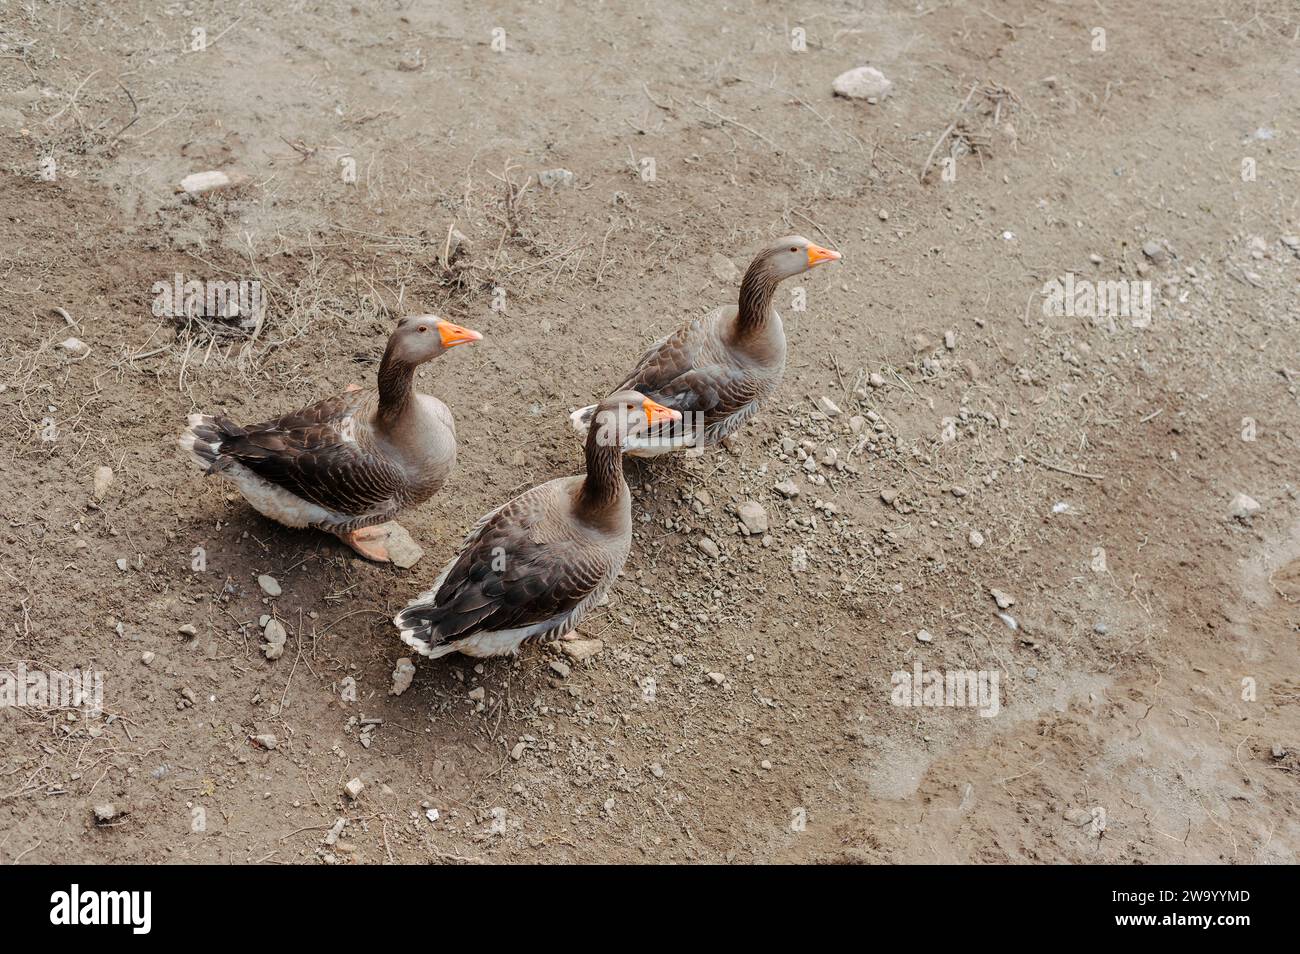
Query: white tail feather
column 581, row 418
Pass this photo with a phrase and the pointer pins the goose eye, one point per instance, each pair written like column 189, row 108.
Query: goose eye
column 794, row 248
column 422, row 329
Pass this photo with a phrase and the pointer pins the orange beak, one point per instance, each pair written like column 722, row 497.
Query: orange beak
column 654, row 412
column 455, row 334
column 817, row 255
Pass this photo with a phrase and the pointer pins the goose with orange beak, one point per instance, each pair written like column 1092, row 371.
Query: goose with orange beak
column 719, row 369
column 349, row 463
column 534, row 567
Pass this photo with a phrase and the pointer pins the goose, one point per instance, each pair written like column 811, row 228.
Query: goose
column 719, row 368
column 534, row 567
column 347, row 463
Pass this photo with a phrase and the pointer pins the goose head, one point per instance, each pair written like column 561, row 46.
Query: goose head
column 626, row 414
column 421, row 338
column 794, row 255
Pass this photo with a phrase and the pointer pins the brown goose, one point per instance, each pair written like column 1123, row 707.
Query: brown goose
column 718, row 369
column 349, row 462
column 532, row 568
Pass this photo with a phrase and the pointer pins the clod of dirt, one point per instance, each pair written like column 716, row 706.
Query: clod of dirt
column 353, row 788
column 560, row 668
column 103, row 480
column 976, row 539
column 787, row 489
column 75, row 346
column 269, row 585
column 865, row 82
column 106, row 813
column 724, row 269
column 718, row 678
column 266, row 740
column 1003, row 600
column 403, row 675
column 1243, row 507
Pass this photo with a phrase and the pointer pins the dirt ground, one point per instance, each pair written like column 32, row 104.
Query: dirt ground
column 1149, row 690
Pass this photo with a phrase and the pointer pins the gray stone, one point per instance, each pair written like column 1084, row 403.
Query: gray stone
column 551, row 178
column 753, row 517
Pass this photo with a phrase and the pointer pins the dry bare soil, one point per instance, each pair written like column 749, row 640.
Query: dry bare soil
column 1149, row 691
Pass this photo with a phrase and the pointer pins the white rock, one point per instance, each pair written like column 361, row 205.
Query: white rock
column 275, row 639
column 266, row 740
column 923, row 636
column 717, row 677
column 828, row 407
column 354, row 788
column 865, row 82
column 403, row 674
column 976, row 539
column 75, row 346
column 197, row 182
column 1243, row 507
column 787, row 489
column 1003, row 600
column 269, row 585
column 708, row 547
